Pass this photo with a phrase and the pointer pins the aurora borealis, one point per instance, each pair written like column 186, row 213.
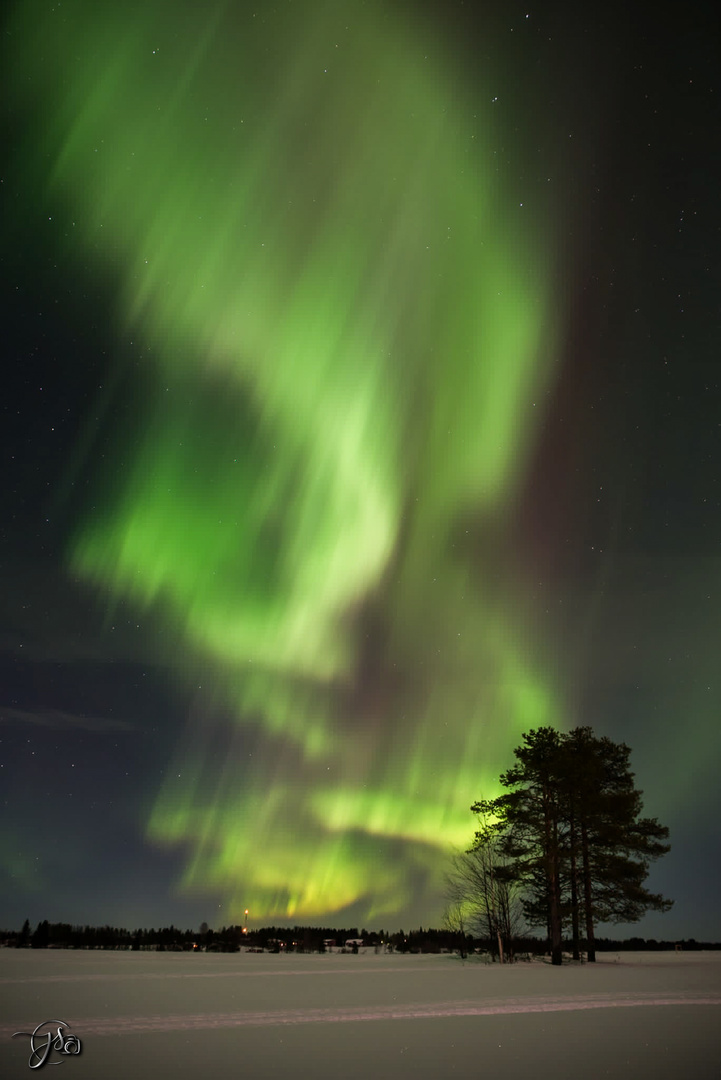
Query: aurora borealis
column 340, row 278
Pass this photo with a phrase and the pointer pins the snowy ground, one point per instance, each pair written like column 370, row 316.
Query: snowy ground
column 345, row 1017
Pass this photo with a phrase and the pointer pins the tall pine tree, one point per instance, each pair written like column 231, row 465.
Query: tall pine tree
column 529, row 824
column 616, row 844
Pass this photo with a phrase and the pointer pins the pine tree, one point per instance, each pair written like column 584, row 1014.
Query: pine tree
column 529, row 825
column 615, row 843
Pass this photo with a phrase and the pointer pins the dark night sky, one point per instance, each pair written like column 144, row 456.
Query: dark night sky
column 613, row 531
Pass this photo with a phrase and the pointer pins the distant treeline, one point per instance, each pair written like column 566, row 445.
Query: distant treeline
column 48, row 935
column 639, row 944
column 227, row 938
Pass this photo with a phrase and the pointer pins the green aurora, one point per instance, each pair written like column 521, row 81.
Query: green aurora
column 348, row 329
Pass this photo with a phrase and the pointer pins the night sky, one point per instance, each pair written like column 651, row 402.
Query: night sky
column 360, row 412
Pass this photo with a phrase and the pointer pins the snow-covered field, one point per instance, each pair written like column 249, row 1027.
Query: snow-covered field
column 342, row 1017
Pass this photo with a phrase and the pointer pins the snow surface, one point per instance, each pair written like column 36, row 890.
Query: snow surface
column 370, row 1017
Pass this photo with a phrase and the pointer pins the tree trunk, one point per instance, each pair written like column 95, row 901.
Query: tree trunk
column 554, row 895
column 587, row 897
column 555, row 913
column 574, row 888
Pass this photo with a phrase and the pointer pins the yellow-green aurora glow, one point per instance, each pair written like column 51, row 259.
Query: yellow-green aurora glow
column 347, row 327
